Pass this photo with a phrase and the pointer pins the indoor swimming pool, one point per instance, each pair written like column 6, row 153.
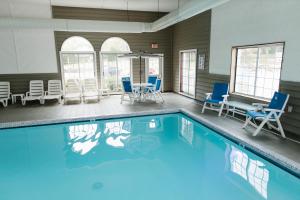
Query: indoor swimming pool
column 167, row 157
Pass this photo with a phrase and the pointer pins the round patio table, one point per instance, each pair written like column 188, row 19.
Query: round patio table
column 142, row 89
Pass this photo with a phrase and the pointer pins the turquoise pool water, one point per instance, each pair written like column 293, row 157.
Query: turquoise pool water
column 167, row 157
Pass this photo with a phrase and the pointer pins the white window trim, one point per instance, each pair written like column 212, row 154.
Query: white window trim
column 101, row 53
column 161, row 70
column 234, row 66
column 187, row 51
column 77, row 53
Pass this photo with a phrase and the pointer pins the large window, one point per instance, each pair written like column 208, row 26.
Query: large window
column 257, row 70
column 188, row 72
column 113, row 67
column 77, row 59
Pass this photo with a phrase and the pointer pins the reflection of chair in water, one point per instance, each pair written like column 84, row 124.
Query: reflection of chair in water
column 83, row 138
column 117, row 132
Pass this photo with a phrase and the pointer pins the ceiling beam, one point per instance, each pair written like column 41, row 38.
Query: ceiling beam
column 188, row 10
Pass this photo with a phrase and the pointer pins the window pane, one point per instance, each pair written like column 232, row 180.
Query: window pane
column 188, row 72
column 258, row 70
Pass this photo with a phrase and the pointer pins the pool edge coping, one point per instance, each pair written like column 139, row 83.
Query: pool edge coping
column 271, row 156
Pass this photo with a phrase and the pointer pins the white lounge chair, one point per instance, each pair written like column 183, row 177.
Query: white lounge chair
column 4, row 93
column 72, row 90
column 36, row 92
column 269, row 113
column 90, row 89
column 54, row 90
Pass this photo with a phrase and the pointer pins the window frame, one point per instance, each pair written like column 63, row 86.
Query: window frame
column 233, row 69
column 180, row 64
column 161, row 69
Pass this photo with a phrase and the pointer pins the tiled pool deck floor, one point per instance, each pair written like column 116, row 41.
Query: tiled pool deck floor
column 272, row 146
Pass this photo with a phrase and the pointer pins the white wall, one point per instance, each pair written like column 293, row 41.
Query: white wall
column 27, row 50
column 246, row 22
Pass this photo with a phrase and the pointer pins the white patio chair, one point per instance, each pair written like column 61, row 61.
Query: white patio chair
column 72, row 90
column 216, row 100
column 90, row 89
column 54, row 90
column 36, row 92
column 155, row 91
column 4, row 93
column 270, row 113
column 128, row 90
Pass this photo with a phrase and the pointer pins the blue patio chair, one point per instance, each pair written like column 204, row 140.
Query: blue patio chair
column 155, row 91
column 216, row 99
column 152, row 79
column 128, row 90
column 268, row 113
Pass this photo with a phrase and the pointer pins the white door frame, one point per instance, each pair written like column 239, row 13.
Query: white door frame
column 180, row 64
column 102, row 67
column 77, row 53
column 161, row 69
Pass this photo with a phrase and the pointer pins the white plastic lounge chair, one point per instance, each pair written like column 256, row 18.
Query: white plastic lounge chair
column 269, row 113
column 54, row 90
column 90, row 89
column 36, row 92
column 4, row 93
column 155, row 91
column 128, row 90
column 72, row 90
column 217, row 99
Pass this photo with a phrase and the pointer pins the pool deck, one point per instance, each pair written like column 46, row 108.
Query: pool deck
column 284, row 151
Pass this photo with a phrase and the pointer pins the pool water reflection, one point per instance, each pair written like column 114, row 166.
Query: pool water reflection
column 153, row 157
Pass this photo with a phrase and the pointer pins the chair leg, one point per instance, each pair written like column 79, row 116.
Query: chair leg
column 122, row 98
column 261, row 126
column 280, row 127
column 248, row 119
column 23, row 102
column 5, row 103
column 204, row 106
column 221, row 109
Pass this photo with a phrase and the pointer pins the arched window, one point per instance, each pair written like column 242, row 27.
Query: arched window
column 114, row 67
column 76, row 44
column 77, row 60
column 115, row 44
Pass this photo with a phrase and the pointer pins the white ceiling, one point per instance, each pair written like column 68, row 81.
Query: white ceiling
column 141, row 5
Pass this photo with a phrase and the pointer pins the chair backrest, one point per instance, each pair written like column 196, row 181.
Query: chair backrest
column 219, row 90
column 158, row 84
column 4, row 89
column 72, row 86
column 90, row 85
column 54, row 87
column 152, row 79
column 126, row 83
column 279, row 101
column 36, row 88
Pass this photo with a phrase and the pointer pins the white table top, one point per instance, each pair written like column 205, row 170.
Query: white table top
column 241, row 105
column 142, row 84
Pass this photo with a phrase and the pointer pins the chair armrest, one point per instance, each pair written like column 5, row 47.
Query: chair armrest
column 27, row 94
column 225, row 96
column 272, row 110
column 208, row 95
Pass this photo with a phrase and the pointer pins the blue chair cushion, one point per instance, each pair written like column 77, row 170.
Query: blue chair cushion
column 219, row 90
column 216, row 101
column 255, row 114
column 152, row 79
column 278, row 101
